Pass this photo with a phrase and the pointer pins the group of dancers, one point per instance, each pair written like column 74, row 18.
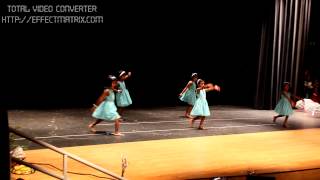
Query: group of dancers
column 105, row 107
column 194, row 94
column 115, row 97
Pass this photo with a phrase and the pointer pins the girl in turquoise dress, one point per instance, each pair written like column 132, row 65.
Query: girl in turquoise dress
column 284, row 107
column 123, row 98
column 201, row 108
column 105, row 108
column 188, row 94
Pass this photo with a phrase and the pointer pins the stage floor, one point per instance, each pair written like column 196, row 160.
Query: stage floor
column 159, row 144
column 196, row 158
column 69, row 127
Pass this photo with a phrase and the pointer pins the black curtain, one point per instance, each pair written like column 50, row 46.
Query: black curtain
column 4, row 144
column 284, row 34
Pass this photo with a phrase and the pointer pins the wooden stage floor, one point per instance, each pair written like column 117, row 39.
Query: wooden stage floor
column 196, row 157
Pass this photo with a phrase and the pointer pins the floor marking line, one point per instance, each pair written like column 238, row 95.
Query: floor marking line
column 146, row 131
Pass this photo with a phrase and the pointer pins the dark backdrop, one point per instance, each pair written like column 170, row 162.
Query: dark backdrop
column 312, row 59
column 162, row 44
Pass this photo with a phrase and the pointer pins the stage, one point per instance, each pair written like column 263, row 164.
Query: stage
column 159, row 144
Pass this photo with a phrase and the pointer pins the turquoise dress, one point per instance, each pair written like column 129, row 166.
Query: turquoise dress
column 123, row 98
column 189, row 96
column 107, row 110
column 284, row 106
column 201, row 107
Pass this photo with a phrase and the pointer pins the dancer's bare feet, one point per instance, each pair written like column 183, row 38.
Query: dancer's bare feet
column 117, row 134
column 201, row 128
column 284, row 125
column 191, row 122
column 188, row 116
column 92, row 129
